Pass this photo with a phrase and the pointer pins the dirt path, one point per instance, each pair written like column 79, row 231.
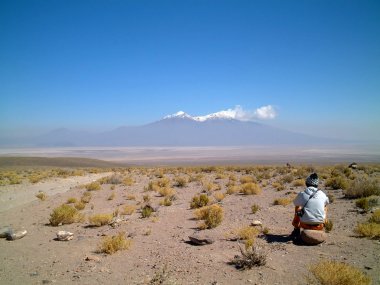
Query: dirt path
column 12, row 196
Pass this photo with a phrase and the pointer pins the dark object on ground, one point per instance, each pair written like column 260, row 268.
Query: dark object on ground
column 353, row 165
column 200, row 239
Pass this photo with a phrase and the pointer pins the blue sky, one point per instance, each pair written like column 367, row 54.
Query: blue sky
column 101, row 64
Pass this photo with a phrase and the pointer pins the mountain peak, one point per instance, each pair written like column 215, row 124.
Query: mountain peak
column 222, row 115
column 180, row 114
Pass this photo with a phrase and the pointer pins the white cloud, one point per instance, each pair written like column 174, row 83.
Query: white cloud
column 265, row 113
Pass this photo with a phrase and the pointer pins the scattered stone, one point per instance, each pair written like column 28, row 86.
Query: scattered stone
column 64, row 236
column 4, row 232
column 256, row 223
column 16, row 235
column 115, row 222
column 201, row 239
column 313, row 237
column 92, row 258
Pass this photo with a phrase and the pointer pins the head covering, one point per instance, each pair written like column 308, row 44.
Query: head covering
column 312, row 180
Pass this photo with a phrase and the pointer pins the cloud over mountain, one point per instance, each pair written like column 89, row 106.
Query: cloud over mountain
column 238, row 113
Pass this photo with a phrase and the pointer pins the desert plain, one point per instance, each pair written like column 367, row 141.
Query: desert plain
column 153, row 208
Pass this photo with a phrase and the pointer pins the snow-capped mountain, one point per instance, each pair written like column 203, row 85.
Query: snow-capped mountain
column 224, row 115
column 224, row 128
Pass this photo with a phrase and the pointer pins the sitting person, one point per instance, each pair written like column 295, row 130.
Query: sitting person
column 310, row 207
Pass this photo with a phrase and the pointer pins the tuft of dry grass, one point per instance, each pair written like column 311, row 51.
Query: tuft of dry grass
column 128, row 210
column 371, row 228
column 112, row 244
column 131, row 197
column 146, row 211
column 79, row 205
column 247, row 179
column 180, row 181
column 337, row 182
column 367, row 203
column 128, row 181
column 329, row 226
column 250, row 257
column 362, row 187
column 250, row 189
column 167, row 192
column 211, row 215
column 111, row 197
column 255, row 208
column 199, row 201
column 86, row 198
column 65, row 214
column 329, row 272
column 41, row 195
column 167, row 201
column 282, row 201
column 298, row 182
column 99, row 220
column 219, row 196
column 232, row 189
column 71, row 200
column 278, row 186
column 93, row 186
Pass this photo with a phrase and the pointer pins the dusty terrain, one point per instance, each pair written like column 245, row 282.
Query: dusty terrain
column 161, row 241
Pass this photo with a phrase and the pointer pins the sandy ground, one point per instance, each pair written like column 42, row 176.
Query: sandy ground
column 162, row 241
column 12, row 196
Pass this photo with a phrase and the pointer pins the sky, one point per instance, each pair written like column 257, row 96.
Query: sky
column 98, row 65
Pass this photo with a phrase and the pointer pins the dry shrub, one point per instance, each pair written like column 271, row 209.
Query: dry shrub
column 250, row 189
column 298, row 182
column 211, row 215
column 93, row 186
column 71, row 200
column 329, row 226
column 199, row 201
column 79, row 205
column 111, row 244
column 131, row 197
column 367, row 203
column 247, row 179
column 41, row 195
column 99, row 220
column 128, row 210
column 255, row 208
column 180, row 182
column 232, row 189
column 337, row 182
column 282, row 201
column 329, row 272
column 167, row 192
column 86, row 197
column 287, row 178
column 371, row 228
column 128, row 181
column 219, row 196
column 250, row 257
column 113, row 179
column 167, row 201
column 248, row 233
column 209, row 186
column 146, row 211
column 65, row 214
column 363, row 187
column 278, row 186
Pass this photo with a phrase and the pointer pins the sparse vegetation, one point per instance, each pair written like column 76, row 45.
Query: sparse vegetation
column 219, row 196
column 367, row 203
column 278, row 186
column 251, row 257
column 93, row 186
column 65, row 214
column 328, row 226
column 180, row 181
column 199, row 201
column 42, row 196
column 211, row 215
column 255, row 208
column 79, row 205
column 71, row 200
column 363, row 187
column 112, row 244
column 86, row 198
column 128, row 210
column 337, row 182
column 298, row 183
column 99, row 220
column 250, row 189
column 282, row 201
column 328, row 272
column 146, row 211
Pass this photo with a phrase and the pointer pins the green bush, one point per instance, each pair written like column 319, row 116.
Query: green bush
column 366, row 203
column 337, row 182
column 363, row 187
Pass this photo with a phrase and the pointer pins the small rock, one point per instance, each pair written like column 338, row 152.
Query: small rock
column 201, row 239
column 256, row 223
column 16, row 235
column 313, row 237
column 92, row 258
column 115, row 222
column 4, row 232
column 64, row 236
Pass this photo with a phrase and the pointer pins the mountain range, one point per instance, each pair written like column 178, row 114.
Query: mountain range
column 180, row 129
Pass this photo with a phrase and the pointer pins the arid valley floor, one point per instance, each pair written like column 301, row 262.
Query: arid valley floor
column 160, row 250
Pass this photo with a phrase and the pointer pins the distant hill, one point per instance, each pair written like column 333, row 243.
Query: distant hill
column 179, row 130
